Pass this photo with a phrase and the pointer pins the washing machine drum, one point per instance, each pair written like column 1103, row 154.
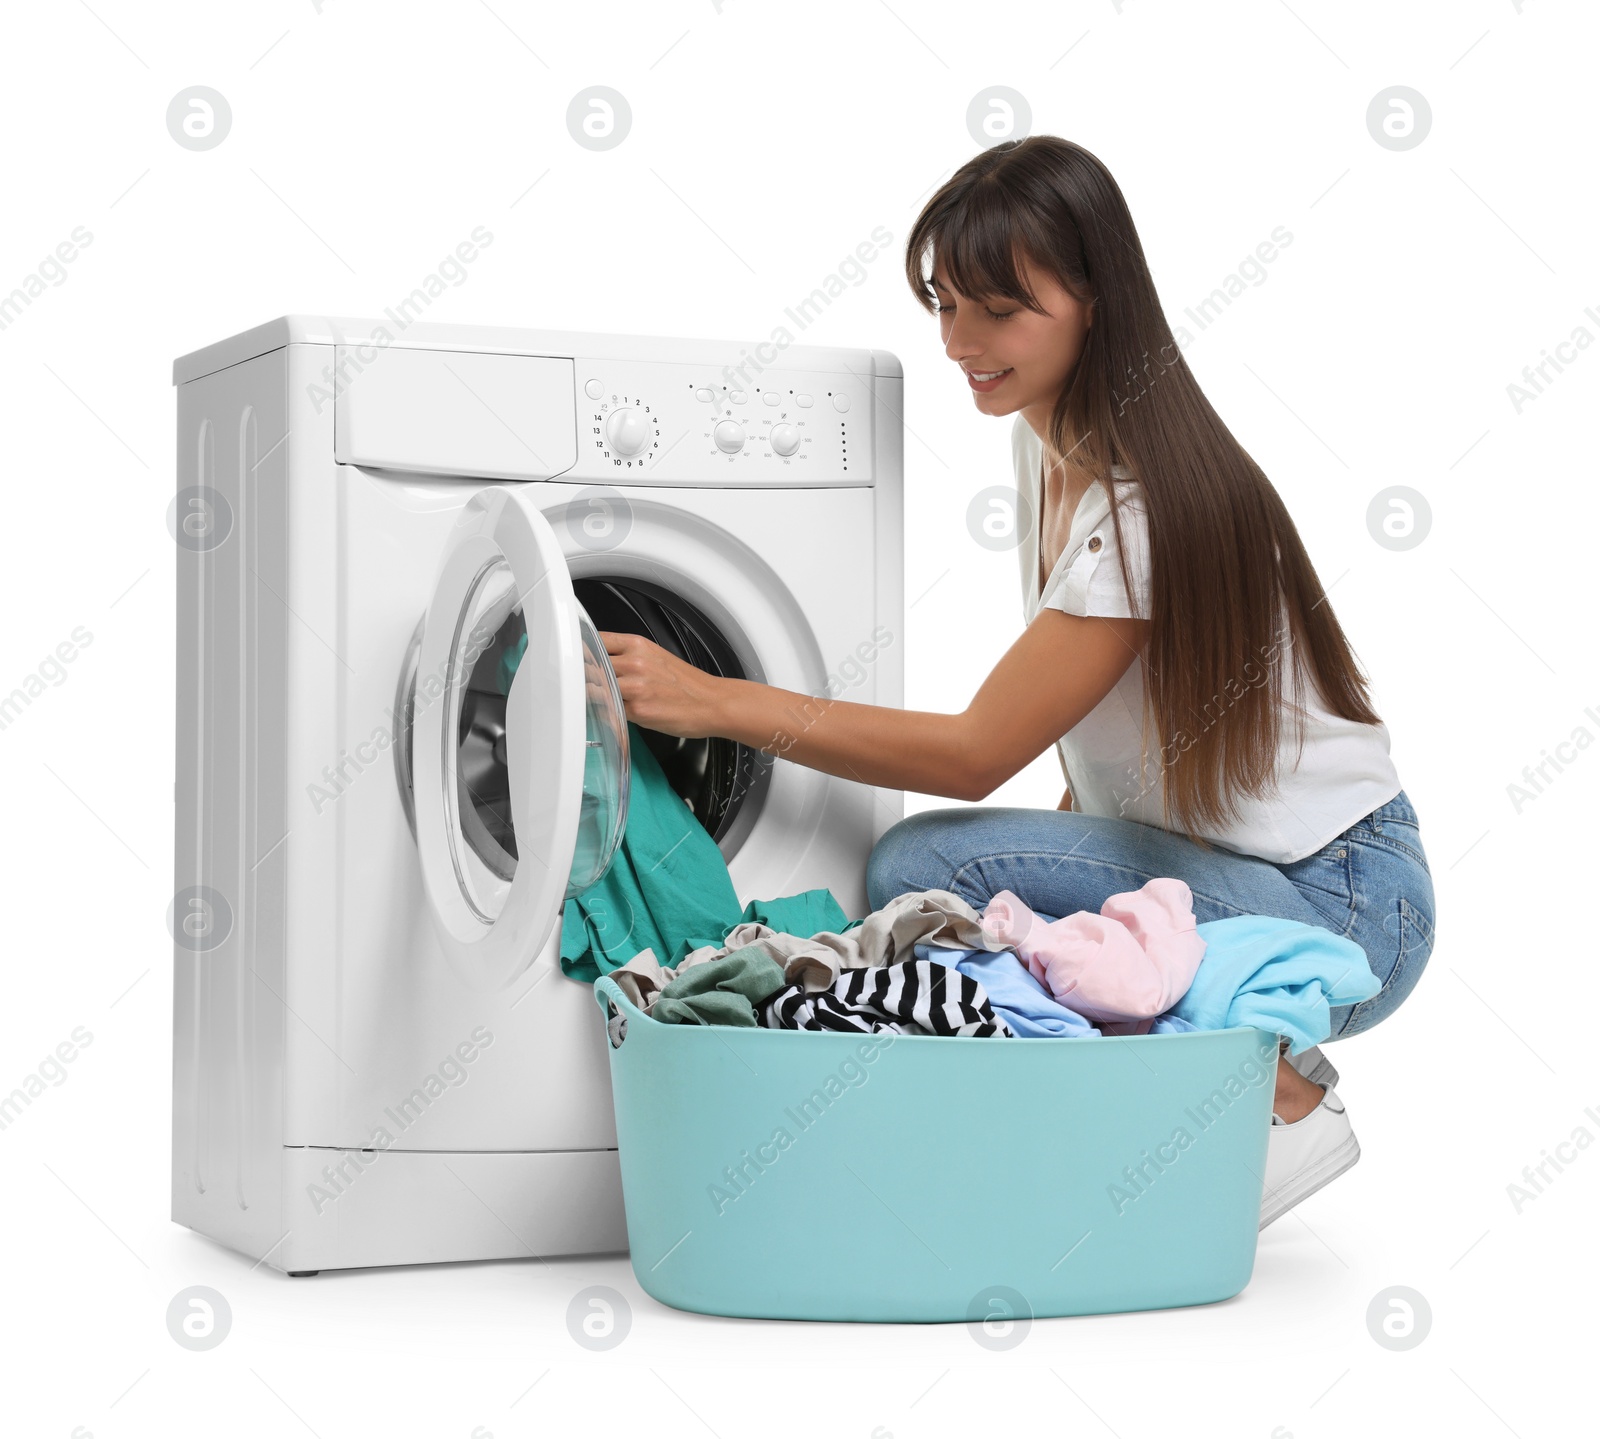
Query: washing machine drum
column 713, row 774
column 705, row 772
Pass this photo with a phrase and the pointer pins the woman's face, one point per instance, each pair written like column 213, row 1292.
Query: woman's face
column 1027, row 357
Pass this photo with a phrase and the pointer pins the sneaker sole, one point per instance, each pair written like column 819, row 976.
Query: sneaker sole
column 1280, row 1201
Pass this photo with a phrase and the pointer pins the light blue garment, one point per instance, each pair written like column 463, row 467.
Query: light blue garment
column 1277, row 974
column 1014, row 994
column 1171, row 1023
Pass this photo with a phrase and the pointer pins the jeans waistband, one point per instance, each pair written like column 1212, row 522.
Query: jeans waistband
column 1398, row 808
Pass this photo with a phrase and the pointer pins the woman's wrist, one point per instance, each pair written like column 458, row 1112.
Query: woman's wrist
column 738, row 710
column 723, row 707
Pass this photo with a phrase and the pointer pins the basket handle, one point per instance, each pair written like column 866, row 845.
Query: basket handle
column 616, row 1008
column 609, row 996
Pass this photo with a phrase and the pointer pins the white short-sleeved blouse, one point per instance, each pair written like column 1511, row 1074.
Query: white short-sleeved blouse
column 1343, row 773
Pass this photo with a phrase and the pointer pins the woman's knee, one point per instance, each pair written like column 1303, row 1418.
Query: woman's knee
column 905, row 860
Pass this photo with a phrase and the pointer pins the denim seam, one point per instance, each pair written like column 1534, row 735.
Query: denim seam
column 1389, row 827
column 1383, row 840
column 1418, row 919
column 1396, row 809
column 1087, row 860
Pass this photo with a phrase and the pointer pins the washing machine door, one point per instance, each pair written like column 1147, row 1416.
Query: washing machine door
column 519, row 741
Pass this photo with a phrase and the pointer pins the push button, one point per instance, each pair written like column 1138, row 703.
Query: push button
column 594, row 389
column 841, row 402
column 703, row 395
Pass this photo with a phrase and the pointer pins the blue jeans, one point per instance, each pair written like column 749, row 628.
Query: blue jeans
column 1370, row 885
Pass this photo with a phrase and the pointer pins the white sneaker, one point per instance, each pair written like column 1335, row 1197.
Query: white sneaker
column 1305, row 1155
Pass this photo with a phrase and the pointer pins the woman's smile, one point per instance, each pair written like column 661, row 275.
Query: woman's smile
column 985, row 380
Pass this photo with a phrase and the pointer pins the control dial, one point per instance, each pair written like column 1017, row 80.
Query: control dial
column 628, row 431
column 729, row 437
column 784, row 439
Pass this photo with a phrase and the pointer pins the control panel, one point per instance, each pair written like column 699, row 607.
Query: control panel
column 641, row 422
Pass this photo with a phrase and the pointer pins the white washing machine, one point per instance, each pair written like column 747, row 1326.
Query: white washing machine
column 377, row 1059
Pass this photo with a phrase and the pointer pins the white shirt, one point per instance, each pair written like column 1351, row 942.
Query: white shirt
column 1344, row 771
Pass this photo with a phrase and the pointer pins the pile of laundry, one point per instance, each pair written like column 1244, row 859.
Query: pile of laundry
column 665, row 923
column 928, row 963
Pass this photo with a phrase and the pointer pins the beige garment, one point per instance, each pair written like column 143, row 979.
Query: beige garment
column 886, row 936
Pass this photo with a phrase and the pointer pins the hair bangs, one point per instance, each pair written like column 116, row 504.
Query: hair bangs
column 977, row 242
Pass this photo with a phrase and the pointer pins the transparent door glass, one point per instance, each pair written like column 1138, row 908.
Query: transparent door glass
column 490, row 642
column 477, row 787
column 605, row 765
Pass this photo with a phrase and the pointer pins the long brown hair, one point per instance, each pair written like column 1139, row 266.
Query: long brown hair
column 1228, row 572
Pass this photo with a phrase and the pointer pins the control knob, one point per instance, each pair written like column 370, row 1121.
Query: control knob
column 628, row 431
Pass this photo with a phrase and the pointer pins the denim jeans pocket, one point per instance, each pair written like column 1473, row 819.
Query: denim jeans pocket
column 1415, row 946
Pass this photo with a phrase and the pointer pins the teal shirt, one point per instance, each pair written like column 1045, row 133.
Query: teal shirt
column 667, row 887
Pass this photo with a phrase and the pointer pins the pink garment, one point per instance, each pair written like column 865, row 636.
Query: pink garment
column 1124, row 966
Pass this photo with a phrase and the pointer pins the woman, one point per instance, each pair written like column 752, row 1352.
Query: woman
column 1180, row 652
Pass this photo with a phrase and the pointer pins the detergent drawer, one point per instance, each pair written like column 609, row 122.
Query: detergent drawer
column 454, row 412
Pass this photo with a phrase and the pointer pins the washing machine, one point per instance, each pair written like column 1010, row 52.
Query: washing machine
column 400, row 748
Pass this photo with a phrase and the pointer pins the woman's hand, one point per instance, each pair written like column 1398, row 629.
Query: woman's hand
column 660, row 691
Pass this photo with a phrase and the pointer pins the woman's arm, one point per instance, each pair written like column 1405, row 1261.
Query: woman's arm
column 1058, row 670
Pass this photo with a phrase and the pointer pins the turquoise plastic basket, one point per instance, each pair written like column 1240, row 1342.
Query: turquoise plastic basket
column 784, row 1175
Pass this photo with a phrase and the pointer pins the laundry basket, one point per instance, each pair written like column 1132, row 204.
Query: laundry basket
column 781, row 1174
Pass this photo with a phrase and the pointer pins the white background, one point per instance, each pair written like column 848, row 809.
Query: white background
column 767, row 142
